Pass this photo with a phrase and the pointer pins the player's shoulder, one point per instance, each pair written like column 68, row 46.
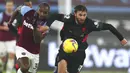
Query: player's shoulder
column 24, row 6
column 92, row 23
column 89, row 22
column 24, row 9
column 68, row 16
column 89, row 19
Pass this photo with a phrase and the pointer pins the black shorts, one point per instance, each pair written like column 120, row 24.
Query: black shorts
column 74, row 60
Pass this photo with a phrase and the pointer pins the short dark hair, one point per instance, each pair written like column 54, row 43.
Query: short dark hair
column 43, row 4
column 80, row 8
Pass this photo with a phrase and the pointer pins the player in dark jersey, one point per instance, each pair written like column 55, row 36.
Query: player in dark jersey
column 28, row 47
column 78, row 26
column 7, row 39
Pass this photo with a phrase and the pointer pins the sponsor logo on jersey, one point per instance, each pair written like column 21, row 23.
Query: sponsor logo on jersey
column 28, row 25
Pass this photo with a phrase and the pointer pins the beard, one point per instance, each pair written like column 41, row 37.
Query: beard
column 80, row 21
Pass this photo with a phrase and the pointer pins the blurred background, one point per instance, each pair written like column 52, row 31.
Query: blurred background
column 105, row 53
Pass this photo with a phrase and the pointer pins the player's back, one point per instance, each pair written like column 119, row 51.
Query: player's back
column 5, row 35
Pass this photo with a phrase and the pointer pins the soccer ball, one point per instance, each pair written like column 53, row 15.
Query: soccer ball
column 70, row 45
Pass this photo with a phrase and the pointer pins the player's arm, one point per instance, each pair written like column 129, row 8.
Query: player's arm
column 52, row 18
column 42, row 28
column 97, row 26
column 109, row 27
column 3, row 27
column 13, row 17
column 20, row 10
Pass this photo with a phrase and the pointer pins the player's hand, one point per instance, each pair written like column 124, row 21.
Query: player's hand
column 5, row 28
column 42, row 28
column 124, row 42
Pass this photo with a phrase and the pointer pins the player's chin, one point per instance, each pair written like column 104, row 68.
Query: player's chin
column 81, row 22
column 42, row 18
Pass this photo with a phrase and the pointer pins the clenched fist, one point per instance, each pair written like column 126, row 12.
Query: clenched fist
column 124, row 42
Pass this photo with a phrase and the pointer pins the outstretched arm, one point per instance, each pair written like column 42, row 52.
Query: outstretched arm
column 115, row 32
column 105, row 26
column 52, row 18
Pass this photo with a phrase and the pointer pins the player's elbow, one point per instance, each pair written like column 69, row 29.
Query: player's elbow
column 108, row 27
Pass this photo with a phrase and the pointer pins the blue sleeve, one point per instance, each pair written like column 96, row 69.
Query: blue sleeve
column 1, row 17
column 25, row 9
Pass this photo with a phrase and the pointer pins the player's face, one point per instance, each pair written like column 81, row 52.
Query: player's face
column 43, row 12
column 29, row 4
column 9, row 6
column 80, row 16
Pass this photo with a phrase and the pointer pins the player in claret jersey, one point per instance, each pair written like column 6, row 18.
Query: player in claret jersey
column 33, row 30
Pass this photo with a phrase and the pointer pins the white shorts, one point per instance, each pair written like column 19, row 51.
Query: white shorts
column 7, row 46
column 34, row 58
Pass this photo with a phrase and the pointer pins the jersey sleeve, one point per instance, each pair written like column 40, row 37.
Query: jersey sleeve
column 1, row 17
column 24, row 9
column 99, row 26
column 94, row 25
column 54, row 17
